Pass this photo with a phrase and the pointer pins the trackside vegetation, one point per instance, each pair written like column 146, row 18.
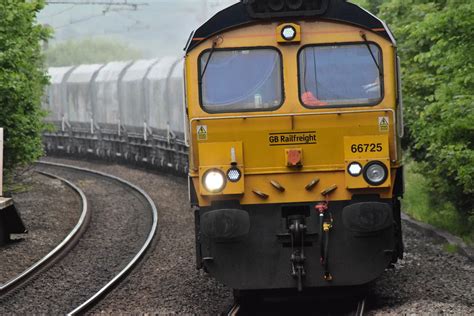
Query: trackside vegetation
column 22, row 81
column 436, row 41
column 89, row 51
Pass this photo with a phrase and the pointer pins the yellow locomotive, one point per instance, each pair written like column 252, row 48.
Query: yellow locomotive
column 294, row 118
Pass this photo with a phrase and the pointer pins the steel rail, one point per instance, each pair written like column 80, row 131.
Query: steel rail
column 60, row 250
column 234, row 310
column 152, row 233
column 360, row 307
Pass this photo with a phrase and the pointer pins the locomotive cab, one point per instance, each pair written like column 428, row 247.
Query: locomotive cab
column 294, row 123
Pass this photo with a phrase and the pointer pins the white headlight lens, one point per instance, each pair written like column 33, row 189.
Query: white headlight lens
column 375, row 173
column 355, row 169
column 288, row 33
column 214, row 181
column 234, row 174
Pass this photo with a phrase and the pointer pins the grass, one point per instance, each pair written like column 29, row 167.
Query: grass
column 18, row 182
column 420, row 204
column 450, row 248
column 16, row 188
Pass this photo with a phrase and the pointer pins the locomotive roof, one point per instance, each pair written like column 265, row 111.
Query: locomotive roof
column 338, row 10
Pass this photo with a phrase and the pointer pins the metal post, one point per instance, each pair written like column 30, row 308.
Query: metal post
column 145, row 132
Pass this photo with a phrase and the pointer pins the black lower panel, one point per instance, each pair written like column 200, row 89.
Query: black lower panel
column 361, row 244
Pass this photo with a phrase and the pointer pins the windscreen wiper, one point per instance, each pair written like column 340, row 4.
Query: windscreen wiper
column 201, row 76
column 364, row 37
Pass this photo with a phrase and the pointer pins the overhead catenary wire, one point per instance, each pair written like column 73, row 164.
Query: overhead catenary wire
column 128, row 3
column 81, row 20
column 99, row 14
column 78, row 2
column 60, row 12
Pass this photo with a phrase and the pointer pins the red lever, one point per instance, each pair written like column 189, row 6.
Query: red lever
column 321, row 207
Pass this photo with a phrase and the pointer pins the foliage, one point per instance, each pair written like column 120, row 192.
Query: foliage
column 419, row 204
column 450, row 248
column 89, row 51
column 436, row 45
column 370, row 5
column 22, row 80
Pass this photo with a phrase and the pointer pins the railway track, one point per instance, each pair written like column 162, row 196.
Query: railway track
column 360, row 307
column 349, row 309
column 123, row 224
column 60, row 250
column 400, row 291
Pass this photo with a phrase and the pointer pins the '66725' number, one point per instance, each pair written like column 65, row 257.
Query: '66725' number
column 363, row 148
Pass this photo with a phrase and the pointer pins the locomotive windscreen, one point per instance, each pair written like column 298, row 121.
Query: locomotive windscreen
column 241, row 80
column 340, row 75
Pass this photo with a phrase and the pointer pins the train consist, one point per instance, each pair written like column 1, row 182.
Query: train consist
column 295, row 117
column 130, row 111
column 293, row 112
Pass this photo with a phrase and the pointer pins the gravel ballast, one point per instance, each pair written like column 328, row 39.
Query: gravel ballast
column 428, row 281
column 48, row 217
column 167, row 282
column 120, row 222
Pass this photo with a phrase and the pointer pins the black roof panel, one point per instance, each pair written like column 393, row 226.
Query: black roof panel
column 338, row 10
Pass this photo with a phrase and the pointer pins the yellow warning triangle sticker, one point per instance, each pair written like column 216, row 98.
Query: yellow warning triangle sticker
column 384, row 124
column 202, row 132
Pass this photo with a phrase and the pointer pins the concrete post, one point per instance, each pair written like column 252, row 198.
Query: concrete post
column 10, row 221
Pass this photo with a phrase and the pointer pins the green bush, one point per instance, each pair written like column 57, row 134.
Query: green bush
column 89, row 51
column 418, row 202
column 435, row 41
column 22, row 80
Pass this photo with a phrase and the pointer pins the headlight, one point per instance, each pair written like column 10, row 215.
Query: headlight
column 288, row 33
column 354, row 169
column 234, row 174
column 375, row 173
column 214, row 180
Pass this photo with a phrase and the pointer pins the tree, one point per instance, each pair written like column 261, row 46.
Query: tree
column 22, row 80
column 436, row 44
column 89, row 51
column 370, row 5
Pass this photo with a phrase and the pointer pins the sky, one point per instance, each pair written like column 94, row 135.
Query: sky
column 158, row 29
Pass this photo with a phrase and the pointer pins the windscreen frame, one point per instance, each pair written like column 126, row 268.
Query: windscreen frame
column 361, row 43
column 243, row 48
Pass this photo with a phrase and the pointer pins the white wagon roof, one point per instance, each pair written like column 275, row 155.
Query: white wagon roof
column 161, row 69
column 138, row 70
column 83, row 73
column 57, row 74
column 111, row 71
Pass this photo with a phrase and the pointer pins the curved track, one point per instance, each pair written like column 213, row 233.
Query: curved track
column 98, row 262
column 60, row 250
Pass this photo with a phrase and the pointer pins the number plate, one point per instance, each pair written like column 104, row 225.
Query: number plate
column 366, row 147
